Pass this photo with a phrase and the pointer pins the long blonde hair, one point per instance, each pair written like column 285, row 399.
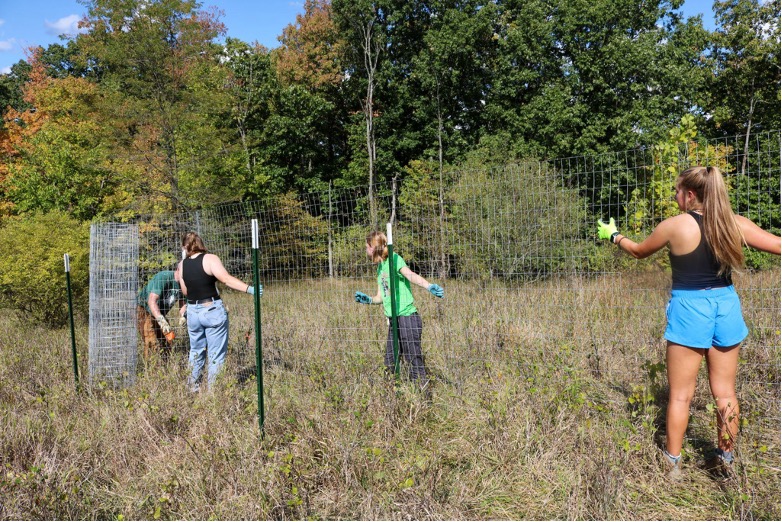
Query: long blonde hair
column 720, row 229
column 379, row 243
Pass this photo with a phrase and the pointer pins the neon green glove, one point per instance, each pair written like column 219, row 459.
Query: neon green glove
column 607, row 230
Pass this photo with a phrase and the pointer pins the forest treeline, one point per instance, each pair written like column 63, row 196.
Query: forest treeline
column 154, row 107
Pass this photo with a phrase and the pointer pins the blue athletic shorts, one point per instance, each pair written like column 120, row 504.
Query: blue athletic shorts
column 705, row 318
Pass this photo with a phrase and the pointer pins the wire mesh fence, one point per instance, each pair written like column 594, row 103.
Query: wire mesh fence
column 529, row 290
column 114, row 282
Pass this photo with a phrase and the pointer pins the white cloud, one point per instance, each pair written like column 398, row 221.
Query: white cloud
column 6, row 45
column 2, row 21
column 68, row 25
column 5, row 70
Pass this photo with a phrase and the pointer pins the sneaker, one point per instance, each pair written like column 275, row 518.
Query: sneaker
column 722, row 463
column 674, row 465
column 725, row 456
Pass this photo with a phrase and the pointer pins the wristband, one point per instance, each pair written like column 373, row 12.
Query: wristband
column 613, row 236
column 620, row 241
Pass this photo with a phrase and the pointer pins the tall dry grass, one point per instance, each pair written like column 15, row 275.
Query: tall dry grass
column 548, row 403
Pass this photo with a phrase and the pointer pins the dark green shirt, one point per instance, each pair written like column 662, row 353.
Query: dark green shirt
column 164, row 285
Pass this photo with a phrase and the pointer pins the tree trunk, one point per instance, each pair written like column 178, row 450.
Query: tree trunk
column 371, row 53
column 746, row 137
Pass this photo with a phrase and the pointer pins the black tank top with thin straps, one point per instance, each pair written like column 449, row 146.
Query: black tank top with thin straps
column 698, row 269
column 200, row 285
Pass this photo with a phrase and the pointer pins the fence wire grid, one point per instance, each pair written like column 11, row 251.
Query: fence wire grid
column 114, row 283
column 529, row 288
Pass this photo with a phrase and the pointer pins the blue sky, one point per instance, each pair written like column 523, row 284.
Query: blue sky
column 25, row 23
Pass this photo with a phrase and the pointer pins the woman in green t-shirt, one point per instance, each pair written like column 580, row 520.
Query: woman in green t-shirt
column 407, row 316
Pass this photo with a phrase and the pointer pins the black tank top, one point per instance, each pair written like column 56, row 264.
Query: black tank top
column 199, row 284
column 698, row 269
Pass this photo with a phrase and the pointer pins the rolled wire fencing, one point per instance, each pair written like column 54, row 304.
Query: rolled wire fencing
column 529, row 289
column 114, row 282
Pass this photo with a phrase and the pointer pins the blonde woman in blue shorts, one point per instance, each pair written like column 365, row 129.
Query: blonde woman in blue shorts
column 704, row 312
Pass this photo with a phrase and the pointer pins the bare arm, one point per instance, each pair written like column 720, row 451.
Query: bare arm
column 213, row 266
column 182, row 301
column 378, row 297
column 660, row 236
column 153, row 307
column 181, row 280
column 758, row 238
column 414, row 278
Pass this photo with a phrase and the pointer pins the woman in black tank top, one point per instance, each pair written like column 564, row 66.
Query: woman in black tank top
column 207, row 319
column 704, row 313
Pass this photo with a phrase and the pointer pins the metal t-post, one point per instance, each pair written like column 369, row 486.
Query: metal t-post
column 258, row 343
column 67, row 260
column 392, row 286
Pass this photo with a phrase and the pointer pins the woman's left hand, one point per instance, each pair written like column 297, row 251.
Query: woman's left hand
column 436, row 290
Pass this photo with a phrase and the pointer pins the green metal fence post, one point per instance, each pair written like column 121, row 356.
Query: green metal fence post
column 392, row 287
column 67, row 260
column 258, row 338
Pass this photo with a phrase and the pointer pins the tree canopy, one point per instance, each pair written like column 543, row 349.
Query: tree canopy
column 153, row 108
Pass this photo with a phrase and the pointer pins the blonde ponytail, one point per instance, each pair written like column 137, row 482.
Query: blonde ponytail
column 720, row 229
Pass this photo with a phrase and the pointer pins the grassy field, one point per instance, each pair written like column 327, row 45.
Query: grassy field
column 548, row 403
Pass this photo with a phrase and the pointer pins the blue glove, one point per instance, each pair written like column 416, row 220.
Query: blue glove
column 436, row 290
column 251, row 290
column 363, row 298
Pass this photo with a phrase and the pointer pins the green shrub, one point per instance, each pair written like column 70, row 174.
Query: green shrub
column 32, row 272
column 518, row 221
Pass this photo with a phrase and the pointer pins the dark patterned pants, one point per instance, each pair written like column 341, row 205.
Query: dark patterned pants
column 409, row 347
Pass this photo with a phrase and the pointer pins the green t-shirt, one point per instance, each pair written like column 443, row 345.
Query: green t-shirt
column 403, row 297
column 164, row 285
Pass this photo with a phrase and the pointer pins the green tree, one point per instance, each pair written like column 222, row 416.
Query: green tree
column 364, row 23
column 11, row 87
column 682, row 149
column 448, row 81
column 32, row 276
column 251, row 84
column 310, row 66
column 57, row 152
column 530, row 225
column 64, row 165
column 745, row 85
column 158, row 61
column 582, row 76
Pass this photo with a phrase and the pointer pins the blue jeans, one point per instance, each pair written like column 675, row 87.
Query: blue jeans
column 207, row 325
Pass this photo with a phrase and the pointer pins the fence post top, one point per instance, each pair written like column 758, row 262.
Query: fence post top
column 255, row 233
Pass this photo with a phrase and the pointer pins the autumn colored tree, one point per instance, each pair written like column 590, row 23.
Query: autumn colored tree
column 58, row 152
column 310, row 112
column 158, row 60
column 312, row 50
